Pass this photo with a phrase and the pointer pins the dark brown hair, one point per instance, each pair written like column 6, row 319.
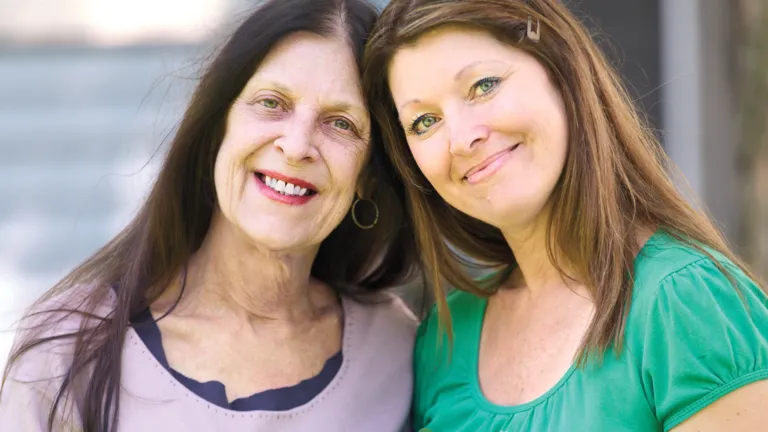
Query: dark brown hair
column 613, row 185
column 149, row 254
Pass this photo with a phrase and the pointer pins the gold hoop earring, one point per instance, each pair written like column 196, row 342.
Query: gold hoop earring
column 354, row 215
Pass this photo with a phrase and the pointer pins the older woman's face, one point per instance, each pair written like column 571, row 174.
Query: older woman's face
column 484, row 123
column 296, row 141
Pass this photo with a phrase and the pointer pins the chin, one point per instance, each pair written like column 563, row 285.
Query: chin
column 505, row 212
column 275, row 238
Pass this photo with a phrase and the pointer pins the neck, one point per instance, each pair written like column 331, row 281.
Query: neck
column 536, row 271
column 231, row 277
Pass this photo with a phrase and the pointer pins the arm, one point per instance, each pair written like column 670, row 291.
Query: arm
column 704, row 358
column 25, row 406
column 34, row 378
column 746, row 409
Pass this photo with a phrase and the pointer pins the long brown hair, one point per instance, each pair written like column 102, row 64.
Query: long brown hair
column 149, row 254
column 614, row 182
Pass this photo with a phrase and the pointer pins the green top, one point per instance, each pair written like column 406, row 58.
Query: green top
column 690, row 339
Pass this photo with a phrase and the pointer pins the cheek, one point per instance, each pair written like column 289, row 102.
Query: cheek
column 552, row 130
column 225, row 177
column 230, row 169
column 432, row 159
column 345, row 162
column 512, row 114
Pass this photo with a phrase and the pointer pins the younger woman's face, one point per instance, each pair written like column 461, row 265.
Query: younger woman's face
column 484, row 123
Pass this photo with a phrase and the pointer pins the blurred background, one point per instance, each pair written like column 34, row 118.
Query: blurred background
column 91, row 89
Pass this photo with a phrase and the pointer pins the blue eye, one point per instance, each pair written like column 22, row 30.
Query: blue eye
column 422, row 124
column 485, row 86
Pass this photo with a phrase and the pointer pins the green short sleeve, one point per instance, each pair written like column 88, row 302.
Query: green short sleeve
column 701, row 339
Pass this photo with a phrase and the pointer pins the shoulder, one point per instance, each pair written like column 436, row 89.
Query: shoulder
column 696, row 328
column 464, row 309
column 60, row 312
column 44, row 338
column 42, row 354
column 384, row 323
column 387, row 314
column 435, row 356
column 434, row 350
column 677, row 285
column 668, row 270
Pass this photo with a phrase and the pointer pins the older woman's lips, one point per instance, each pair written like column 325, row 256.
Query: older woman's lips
column 284, row 189
column 488, row 167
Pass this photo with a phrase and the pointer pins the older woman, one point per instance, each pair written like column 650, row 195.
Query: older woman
column 617, row 306
column 241, row 298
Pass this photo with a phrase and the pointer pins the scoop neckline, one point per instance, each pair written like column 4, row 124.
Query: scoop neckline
column 477, row 391
column 474, row 372
column 346, row 347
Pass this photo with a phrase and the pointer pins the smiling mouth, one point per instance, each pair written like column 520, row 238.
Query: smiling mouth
column 486, row 163
column 283, row 187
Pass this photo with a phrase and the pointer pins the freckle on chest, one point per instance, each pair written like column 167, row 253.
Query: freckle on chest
column 521, row 358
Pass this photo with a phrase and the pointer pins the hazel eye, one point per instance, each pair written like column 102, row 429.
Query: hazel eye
column 428, row 121
column 342, row 124
column 422, row 124
column 270, row 103
column 484, row 86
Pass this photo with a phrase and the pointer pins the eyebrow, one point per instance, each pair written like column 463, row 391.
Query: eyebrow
column 464, row 70
column 456, row 77
column 282, row 88
column 412, row 101
column 333, row 105
column 346, row 107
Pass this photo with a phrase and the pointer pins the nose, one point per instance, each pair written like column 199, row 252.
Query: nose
column 297, row 142
column 466, row 133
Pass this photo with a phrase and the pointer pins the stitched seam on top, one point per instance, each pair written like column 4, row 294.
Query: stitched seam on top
column 714, row 395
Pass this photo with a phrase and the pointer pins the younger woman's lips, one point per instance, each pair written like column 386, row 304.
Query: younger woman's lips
column 489, row 166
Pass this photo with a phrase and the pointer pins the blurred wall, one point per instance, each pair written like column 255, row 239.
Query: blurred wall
column 752, row 21
column 89, row 91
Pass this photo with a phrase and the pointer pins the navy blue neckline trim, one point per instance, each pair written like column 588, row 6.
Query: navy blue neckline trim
column 280, row 399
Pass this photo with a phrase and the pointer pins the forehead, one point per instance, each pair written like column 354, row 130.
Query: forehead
column 307, row 63
column 444, row 52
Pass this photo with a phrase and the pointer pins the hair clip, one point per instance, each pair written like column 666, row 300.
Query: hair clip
column 534, row 36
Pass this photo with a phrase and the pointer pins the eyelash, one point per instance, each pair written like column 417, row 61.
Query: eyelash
column 411, row 128
column 494, row 80
column 261, row 101
column 352, row 128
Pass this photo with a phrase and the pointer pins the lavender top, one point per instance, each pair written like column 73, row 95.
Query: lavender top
column 279, row 399
column 370, row 392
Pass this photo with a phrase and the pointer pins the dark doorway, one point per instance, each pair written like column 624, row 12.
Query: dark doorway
column 629, row 33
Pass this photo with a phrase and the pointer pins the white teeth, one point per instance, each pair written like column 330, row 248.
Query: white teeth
column 283, row 187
